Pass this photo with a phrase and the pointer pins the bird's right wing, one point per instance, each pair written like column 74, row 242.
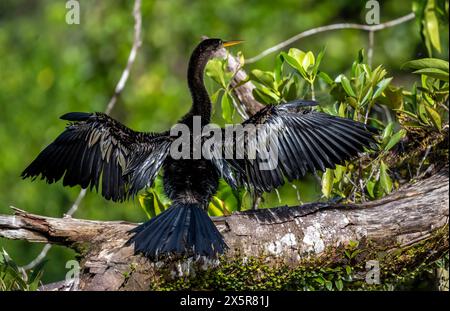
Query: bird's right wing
column 287, row 141
column 95, row 149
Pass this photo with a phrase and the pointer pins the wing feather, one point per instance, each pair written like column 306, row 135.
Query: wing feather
column 97, row 150
column 306, row 141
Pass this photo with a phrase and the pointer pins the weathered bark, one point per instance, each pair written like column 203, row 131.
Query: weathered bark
column 290, row 235
column 243, row 91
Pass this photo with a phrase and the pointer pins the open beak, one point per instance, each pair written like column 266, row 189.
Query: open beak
column 232, row 42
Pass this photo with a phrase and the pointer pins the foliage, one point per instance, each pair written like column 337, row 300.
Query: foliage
column 430, row 15
column 50, row 67
column 13, row 278
column 336, row 270
column 353, row 95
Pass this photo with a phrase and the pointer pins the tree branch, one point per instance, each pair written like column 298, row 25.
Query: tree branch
column 314, row 31
column 131, row 57
column 291, row 235
column 243, row 91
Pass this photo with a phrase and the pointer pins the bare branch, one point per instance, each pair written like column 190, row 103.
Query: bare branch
column 244, row 92
column 314, row 31
column 399, row 221
column 370, row 49
column 112, row 102
column 131, row 57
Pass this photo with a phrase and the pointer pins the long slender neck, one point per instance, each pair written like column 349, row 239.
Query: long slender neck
column 201, row 104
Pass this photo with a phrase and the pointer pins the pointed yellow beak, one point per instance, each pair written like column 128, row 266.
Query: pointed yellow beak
column 232, row 42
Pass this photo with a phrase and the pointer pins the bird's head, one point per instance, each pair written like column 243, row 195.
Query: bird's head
column 212, row 47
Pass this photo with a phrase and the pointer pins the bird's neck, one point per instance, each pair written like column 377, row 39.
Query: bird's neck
column 201, row 103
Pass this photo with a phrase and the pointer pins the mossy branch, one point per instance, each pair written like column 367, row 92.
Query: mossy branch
column 290, row 236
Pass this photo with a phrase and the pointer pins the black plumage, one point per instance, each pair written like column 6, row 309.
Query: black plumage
column 96, row 151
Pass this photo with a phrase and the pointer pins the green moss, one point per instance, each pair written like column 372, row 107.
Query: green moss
column 341, row 269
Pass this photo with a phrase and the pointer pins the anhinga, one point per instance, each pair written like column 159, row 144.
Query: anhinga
column 97, row 150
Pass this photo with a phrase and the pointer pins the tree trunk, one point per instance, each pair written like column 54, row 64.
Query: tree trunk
column 415, row 215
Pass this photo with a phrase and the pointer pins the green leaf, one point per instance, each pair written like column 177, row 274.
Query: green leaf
column 348, row 269
column 308, row 61
column 318, row 61
column 270, row 92
column 297, row 54
column 345, row 82
column 352, row 244
column 381, row 86
column 320, row 280
column 227, row 107
column 265, row 77
column 432, row 25
column 231, row 198
column 241, row 58
column 385, row 180
column 422, row 112
column 339, row 285
column 295, row 60
column 360, row 58
column 326, row 78
column 342, row 110
column 434, row 116
column 408, row 113
column 370, row 186
column 425, row 63
column 261, row 97
column 215, row 95
column 151, row 203
column 433, row 73
column 395, row 139
column 367, row 97
column 216, row 207
column 387, row 132
column 278, row 68
column 146, row 203
column 329, row 285
column 327, row 182
column 214, row 70
column 339, row 172
column 392, row 97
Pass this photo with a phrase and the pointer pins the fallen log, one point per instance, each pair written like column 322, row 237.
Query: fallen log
column 416, row 214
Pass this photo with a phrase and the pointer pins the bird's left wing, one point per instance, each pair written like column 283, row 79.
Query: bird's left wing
column 287, row 141
column 97, row 150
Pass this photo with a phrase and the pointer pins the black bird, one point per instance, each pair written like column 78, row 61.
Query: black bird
column 97, row 151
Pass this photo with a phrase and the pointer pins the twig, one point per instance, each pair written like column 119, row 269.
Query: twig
column 240, row 108
column 314, row 31
column 423, row 160
column 112, row 102
column 131, row 58
column 370, row 49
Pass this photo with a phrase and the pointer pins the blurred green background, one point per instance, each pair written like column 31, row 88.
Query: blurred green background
column 48, row 68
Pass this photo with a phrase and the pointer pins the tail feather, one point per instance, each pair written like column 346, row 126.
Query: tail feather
column 183, row 229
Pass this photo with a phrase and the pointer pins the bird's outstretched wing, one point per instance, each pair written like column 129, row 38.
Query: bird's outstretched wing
column 288, row 142
column 97, row 150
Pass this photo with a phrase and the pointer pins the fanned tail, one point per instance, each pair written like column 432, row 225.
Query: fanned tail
column 182, row 229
